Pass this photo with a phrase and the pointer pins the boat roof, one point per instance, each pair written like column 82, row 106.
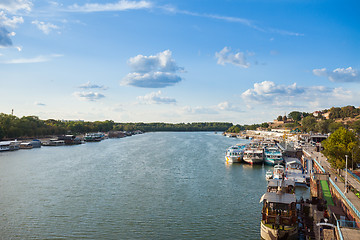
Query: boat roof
column 286, row 198
column 278, row 166
column 280, row 182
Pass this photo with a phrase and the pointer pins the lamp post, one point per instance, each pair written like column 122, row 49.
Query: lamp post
column 346, row 157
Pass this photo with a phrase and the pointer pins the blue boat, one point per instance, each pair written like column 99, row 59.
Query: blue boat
column 273, row 156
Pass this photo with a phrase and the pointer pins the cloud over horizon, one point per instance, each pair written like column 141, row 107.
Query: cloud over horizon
column 88, row 85
column 89, row 96
column 339, row 74
column 268, row 93
column 155, row 71
column 155, row 98
column 237, row 59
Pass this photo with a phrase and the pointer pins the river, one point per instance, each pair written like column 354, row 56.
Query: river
column 149, row 186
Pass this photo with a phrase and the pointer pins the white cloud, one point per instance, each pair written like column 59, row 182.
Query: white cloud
column 155, row 71
column 339, row 74
column 155, row 98
column 270, row 95
column 10, row 22
column 45, row 27
column 89, row 96
column 269, row 91
column 88, row 85
column 237, row 59
column 122, row 5
column 14, row 6
column 37, row 59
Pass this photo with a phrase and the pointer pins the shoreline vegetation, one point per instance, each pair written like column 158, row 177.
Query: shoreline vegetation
column 324, row 121
column 12, row 127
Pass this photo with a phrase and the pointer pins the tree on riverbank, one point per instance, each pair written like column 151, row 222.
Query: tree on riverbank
column 340, row 143
column 32, row 127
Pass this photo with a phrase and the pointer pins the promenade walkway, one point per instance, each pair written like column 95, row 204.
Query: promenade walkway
column 321, row 159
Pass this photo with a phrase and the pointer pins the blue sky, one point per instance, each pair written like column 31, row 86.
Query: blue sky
column 237, row 61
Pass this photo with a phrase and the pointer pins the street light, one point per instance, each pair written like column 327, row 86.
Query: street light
column 346, row 156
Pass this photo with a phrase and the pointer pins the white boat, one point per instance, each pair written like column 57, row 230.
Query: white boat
column 279, row 171
column 54, row 142
column 9, row 145
column 294, row 171
column 273, row 156
column 269, row 175
column 279, row 217
column 253, row 155
column 234, row 154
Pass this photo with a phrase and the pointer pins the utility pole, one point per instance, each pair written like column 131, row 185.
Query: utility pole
column 346, row 157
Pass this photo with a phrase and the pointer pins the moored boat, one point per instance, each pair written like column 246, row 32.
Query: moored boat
column 9, row 145
column 26, row 145
column 54, row 142
column 279, row 172
column 253, row 155
column 234, row 154
column 273, row 156
column 294, row 171
column 94, row 137
column 279, row 218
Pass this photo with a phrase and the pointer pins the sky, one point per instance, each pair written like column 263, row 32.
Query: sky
column 238, row 61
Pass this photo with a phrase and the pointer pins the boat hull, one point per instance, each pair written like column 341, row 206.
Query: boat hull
column 272, row 162
column 269, row 233
column 253, row 160
column 233, row 159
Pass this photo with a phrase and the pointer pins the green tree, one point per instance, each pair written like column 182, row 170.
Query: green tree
column 295, row 115
column 340, row 143
column 308, row 123
column 356, row 126
column 279, row 118
column 322, row 126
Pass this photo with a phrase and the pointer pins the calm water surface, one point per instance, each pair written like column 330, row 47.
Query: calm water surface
column 150, row 186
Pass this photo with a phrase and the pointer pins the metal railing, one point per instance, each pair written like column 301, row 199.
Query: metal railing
column 346, row 199
column 339, row 230
column 321, row 168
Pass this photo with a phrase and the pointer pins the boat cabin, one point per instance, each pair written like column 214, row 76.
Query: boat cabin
column 279, row 210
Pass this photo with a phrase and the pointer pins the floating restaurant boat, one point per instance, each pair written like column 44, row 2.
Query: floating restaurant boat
column 273, row 156
column 279, row 218
column 9, row 145
column 54, row 142
column 36, row 143
column 279, row 171
column 94, row 137
column 234, row 154
column 253, row 155
column 26, row 145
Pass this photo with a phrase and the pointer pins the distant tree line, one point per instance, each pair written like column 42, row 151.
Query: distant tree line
column 31, row 126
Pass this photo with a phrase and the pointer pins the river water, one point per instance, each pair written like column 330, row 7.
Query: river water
column 149, row 186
